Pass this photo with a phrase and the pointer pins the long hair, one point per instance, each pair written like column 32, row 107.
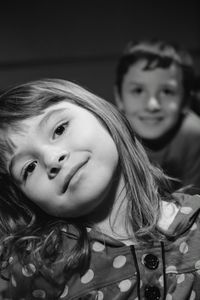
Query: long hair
column 157, row 54
column 22, row 224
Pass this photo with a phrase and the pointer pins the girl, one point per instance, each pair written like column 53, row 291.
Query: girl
column 154, row 82
column 84, row 215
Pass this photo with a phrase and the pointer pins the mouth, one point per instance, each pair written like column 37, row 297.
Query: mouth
column 151, row 119
column 72, row 172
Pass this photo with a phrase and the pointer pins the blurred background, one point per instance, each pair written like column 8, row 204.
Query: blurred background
column 82, row 40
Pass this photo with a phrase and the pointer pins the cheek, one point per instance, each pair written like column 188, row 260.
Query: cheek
column 174, row 107
column 132, row 104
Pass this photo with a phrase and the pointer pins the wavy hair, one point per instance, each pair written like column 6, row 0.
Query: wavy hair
column 24, row 226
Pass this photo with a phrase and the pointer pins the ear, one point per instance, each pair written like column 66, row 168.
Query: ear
column 118, row 100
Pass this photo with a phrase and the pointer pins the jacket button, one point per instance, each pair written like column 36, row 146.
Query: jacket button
column 152, row 293
column 151, row 261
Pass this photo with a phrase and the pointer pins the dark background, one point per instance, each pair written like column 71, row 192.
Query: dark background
column 82, row 40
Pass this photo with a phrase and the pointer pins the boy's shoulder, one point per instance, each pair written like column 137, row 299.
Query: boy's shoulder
column 191, row 125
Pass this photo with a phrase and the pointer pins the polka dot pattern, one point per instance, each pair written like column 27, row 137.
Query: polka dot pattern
column 28, row 270
column 124, row 285
column 87, row 277
column 194, row 227
column 64, row 229
column 98, row 247
column 65, row 292
column 180, row 278
column 13, row 281
column 193, row 296
column 186, row 210
column 100, row 295
column 171, row 269
column 169, row 297
column 10, row 260
column 39, row 294
column 197, row 264
column 161, row 281
column 119, row 261
column 183, row 247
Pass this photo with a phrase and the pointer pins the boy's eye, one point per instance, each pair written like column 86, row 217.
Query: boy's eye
column 60, row 130
column 29, row 169
column 168, row 91
column 137, row 90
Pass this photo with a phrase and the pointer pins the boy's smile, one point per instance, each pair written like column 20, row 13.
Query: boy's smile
column 152, row 99
column 64, row 160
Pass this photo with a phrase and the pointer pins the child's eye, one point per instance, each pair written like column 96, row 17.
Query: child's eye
column 29, row 169
column 168, row 92
column 60, row 130
column 137, row 91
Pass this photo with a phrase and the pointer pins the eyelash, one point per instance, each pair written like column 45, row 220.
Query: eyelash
column 63, row 125
column 26, row 172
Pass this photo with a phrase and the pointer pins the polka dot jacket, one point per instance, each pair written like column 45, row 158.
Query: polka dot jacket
column 160, row 270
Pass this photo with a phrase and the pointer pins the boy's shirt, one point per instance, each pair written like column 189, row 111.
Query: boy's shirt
column 181, row 157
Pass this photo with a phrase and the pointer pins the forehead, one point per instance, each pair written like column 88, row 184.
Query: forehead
column 20, row 128
column 138, row 71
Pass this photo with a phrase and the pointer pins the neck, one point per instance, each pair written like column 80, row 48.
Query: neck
column 111, row 216
column 161, row 142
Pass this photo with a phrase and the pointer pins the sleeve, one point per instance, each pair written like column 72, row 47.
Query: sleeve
column 28, row 283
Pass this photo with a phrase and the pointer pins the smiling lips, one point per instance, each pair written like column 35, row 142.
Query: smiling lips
column 71, row 174
column 151, row 119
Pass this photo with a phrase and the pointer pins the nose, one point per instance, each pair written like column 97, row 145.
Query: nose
column 153, row 104
column 54, row 160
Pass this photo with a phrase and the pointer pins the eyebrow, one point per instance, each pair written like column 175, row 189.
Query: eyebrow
column 49, row 115
column 42, row 123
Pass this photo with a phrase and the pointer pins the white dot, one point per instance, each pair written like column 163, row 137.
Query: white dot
column 64, row 229
column 39, row 294
column 10, row 259
column 100, row 295
column 180, row 278
column 28, row 270
column 88, row 229
column 124, row 285
column 87, row 277
column 13, row 281
column 183, row 247
column 186, row 210
column 169, row 297
column 161, row 281
column 171, row 269
column 98, row 247
column 119, row 261
column 192, row 296
column 65, row 292
column 197, row 264
column 141, row 283
column 194, row 226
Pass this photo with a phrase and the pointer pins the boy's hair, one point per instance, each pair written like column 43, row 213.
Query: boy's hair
column 22, row 222
column 157, row 54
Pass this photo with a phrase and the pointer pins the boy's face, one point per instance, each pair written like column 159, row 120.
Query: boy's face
column 64, row 160
column 152, row 99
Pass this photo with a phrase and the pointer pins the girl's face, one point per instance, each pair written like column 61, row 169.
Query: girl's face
column 152, row 99
column 64, row 160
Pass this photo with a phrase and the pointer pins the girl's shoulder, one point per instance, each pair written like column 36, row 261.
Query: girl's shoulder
column 179, row 215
